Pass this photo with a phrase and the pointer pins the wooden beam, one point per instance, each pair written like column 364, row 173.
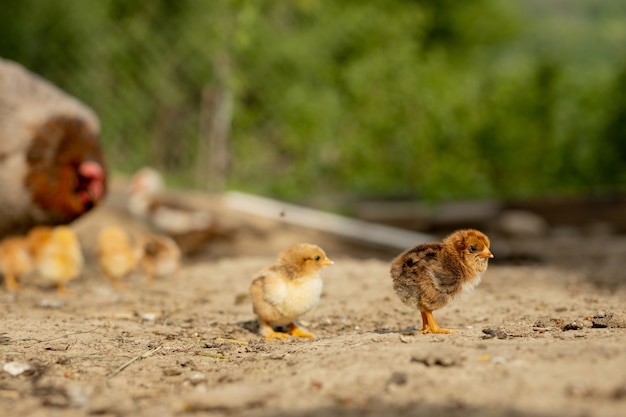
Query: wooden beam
column 346, row 227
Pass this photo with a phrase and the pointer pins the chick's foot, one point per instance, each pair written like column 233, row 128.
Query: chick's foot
column 298, row 332
column 11, row 282
column 431, row 326
column 274, row 335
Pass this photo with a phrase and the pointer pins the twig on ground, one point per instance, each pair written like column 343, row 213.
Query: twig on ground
column 130, row 362
column 60, row 337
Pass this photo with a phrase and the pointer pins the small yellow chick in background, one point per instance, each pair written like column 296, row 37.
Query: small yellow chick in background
column 431, row 275
column 15, row 260
column 117, row 258
column 159, row 256
column 60, row 258
column 37, row 238
column 283, row 292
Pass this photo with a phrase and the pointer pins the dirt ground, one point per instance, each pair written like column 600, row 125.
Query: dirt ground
column 187, row 344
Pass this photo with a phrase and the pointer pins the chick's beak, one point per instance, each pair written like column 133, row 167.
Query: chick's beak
column 328, row 262
column 486, row 254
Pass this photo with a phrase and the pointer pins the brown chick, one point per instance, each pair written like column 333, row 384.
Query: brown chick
column 431, row 275
column 159, row 256
column 117, row 258
column 286, row 290
column 15, row 260
column 61, row 258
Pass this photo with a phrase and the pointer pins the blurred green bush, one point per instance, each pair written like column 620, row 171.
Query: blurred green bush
column 414, row 99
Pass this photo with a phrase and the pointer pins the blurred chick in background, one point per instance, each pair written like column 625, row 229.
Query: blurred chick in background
column 117, row 258
column 159, row 256
column 191, row 227
column 60, row 258
column 36, row 239
column 52, row 168
column 15, row 260
column 281, row 293
column 431, row 275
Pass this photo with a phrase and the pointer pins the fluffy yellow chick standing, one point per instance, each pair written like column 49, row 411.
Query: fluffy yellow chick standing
column 37, row 238
column 60, row 258
column 431, row 275
column 283, row 292
column 117, row 258
column 15, row 260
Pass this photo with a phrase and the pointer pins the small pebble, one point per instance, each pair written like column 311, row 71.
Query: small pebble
column 197, row 378
column 498, row 360
column 398, row 378
column 16, row 368
column 172, row 372
column 149, row 316
column 51, row 304
column 443, row 361
column 572, row 326
column 609, row 319
column 491, row 333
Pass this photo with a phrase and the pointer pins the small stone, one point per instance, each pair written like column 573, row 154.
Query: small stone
column 57, row 346
column 498, row 360
column 172, row 372
column 443, row 361
column 604, row 319
column 546, row 322
column 150, row 316
column 572, row 326
column 16, row 368
column 197, row 378
column 398, row 378
column 51, row 304
column 492, row 333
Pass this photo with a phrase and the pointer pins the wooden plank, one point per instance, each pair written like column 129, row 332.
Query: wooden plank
column 346, row 227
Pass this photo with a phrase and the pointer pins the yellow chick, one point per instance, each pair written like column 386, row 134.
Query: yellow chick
column 286, row 290
column 15, row 260
column 37, row 238
column 60, row 259
column 117, row 258
column 159, row 256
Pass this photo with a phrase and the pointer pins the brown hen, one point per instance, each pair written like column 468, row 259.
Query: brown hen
column 52, row 168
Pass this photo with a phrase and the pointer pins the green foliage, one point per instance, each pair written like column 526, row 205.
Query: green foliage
column 415, row 98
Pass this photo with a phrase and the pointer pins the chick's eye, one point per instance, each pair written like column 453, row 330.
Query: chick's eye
column 472, row 248
column 317, row 258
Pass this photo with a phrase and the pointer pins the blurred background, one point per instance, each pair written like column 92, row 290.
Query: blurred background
column 428, row 100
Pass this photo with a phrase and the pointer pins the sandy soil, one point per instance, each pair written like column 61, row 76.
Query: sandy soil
column 187, row 345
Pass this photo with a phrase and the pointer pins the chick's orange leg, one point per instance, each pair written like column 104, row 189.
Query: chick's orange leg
column 431, row 325
column 61, row 288
column 119, row 285
column 298, row 332
column 11, row 282
column 269, row 333
column 424, row 322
